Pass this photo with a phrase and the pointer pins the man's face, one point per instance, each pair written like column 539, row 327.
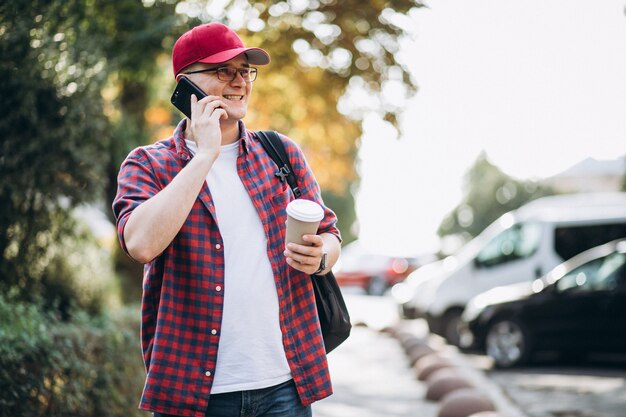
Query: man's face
column 235, row 94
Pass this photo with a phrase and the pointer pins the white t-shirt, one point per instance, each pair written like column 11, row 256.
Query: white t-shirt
column 250, row 353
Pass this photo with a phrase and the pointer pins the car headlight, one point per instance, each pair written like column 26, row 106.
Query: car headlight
column 473, row 309
column 487, row 313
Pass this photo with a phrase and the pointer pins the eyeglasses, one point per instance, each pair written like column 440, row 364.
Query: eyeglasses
column 229, row 73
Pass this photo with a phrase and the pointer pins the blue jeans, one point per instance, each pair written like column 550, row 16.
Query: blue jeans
column 278, row 401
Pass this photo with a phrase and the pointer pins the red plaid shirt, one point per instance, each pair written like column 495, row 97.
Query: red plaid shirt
column 183, row 287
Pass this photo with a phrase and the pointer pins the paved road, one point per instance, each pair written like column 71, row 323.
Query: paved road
column 558, row 391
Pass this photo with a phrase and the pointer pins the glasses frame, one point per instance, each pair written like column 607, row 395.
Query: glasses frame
column 251, row 71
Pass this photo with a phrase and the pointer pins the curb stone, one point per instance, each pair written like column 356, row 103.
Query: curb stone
column 477, row 377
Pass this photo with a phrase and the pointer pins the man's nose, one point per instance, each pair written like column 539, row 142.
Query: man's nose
column 239, row 79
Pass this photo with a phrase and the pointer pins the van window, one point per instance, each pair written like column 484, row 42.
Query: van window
column 517, row 242
column 572, row 240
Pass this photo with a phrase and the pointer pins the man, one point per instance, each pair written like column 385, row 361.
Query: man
column 229, row 323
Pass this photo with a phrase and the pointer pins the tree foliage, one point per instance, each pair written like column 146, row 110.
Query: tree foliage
column 489, row 194
column 51, row 123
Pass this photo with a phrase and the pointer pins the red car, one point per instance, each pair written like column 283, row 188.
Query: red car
column 372, row 272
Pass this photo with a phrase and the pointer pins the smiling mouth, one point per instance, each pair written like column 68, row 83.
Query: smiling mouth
column 233, row 97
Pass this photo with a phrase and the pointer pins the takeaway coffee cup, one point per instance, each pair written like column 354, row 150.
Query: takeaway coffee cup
column 303, row 218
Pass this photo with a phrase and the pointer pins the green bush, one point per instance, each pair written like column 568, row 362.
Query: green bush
column 84, row 367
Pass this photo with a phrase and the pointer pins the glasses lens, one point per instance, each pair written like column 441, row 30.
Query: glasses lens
column 252, row 73
column 229, row 74
column 226, row 73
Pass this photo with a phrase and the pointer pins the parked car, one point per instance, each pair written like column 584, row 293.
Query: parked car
column 519, row 247
column 373, row 272
column 579, row 307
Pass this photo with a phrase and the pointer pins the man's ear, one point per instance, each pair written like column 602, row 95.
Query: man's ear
column 179, row 76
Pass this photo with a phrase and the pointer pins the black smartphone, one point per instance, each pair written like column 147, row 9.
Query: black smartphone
column 181, row 98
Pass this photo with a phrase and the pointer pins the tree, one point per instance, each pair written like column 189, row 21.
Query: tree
column 51, row 121
column 489, row 194
column 62, row 138
column 139, row 33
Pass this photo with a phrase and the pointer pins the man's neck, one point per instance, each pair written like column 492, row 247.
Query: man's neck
column 230, row 132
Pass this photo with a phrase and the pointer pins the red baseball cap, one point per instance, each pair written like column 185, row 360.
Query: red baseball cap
column 213, row 43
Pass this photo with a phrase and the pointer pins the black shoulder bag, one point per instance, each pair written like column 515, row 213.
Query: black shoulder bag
column 331, row 308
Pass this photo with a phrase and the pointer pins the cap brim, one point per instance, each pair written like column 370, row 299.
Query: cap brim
column 256, row 56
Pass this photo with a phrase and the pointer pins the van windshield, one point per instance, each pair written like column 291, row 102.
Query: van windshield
column 517, row 242
column 471, row 248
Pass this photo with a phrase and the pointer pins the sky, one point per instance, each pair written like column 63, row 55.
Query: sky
column 538, row 85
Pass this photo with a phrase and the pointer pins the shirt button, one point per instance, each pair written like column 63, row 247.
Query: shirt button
column 213, row 331
column 218, row 246
column 218, row 288
column 208, row 373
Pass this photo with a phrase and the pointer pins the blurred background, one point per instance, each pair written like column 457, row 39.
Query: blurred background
column 424, row 123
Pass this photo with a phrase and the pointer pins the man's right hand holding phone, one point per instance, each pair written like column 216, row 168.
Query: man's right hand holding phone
column 204, row 126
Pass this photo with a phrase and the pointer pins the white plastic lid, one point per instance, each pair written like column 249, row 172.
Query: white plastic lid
column 305, row 210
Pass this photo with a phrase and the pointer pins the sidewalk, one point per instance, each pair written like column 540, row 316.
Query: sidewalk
column 372, row 376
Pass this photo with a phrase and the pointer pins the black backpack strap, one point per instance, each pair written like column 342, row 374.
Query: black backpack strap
column 276, row 150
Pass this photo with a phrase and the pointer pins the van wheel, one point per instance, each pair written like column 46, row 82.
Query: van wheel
column 508, row 343
column 451, row 326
